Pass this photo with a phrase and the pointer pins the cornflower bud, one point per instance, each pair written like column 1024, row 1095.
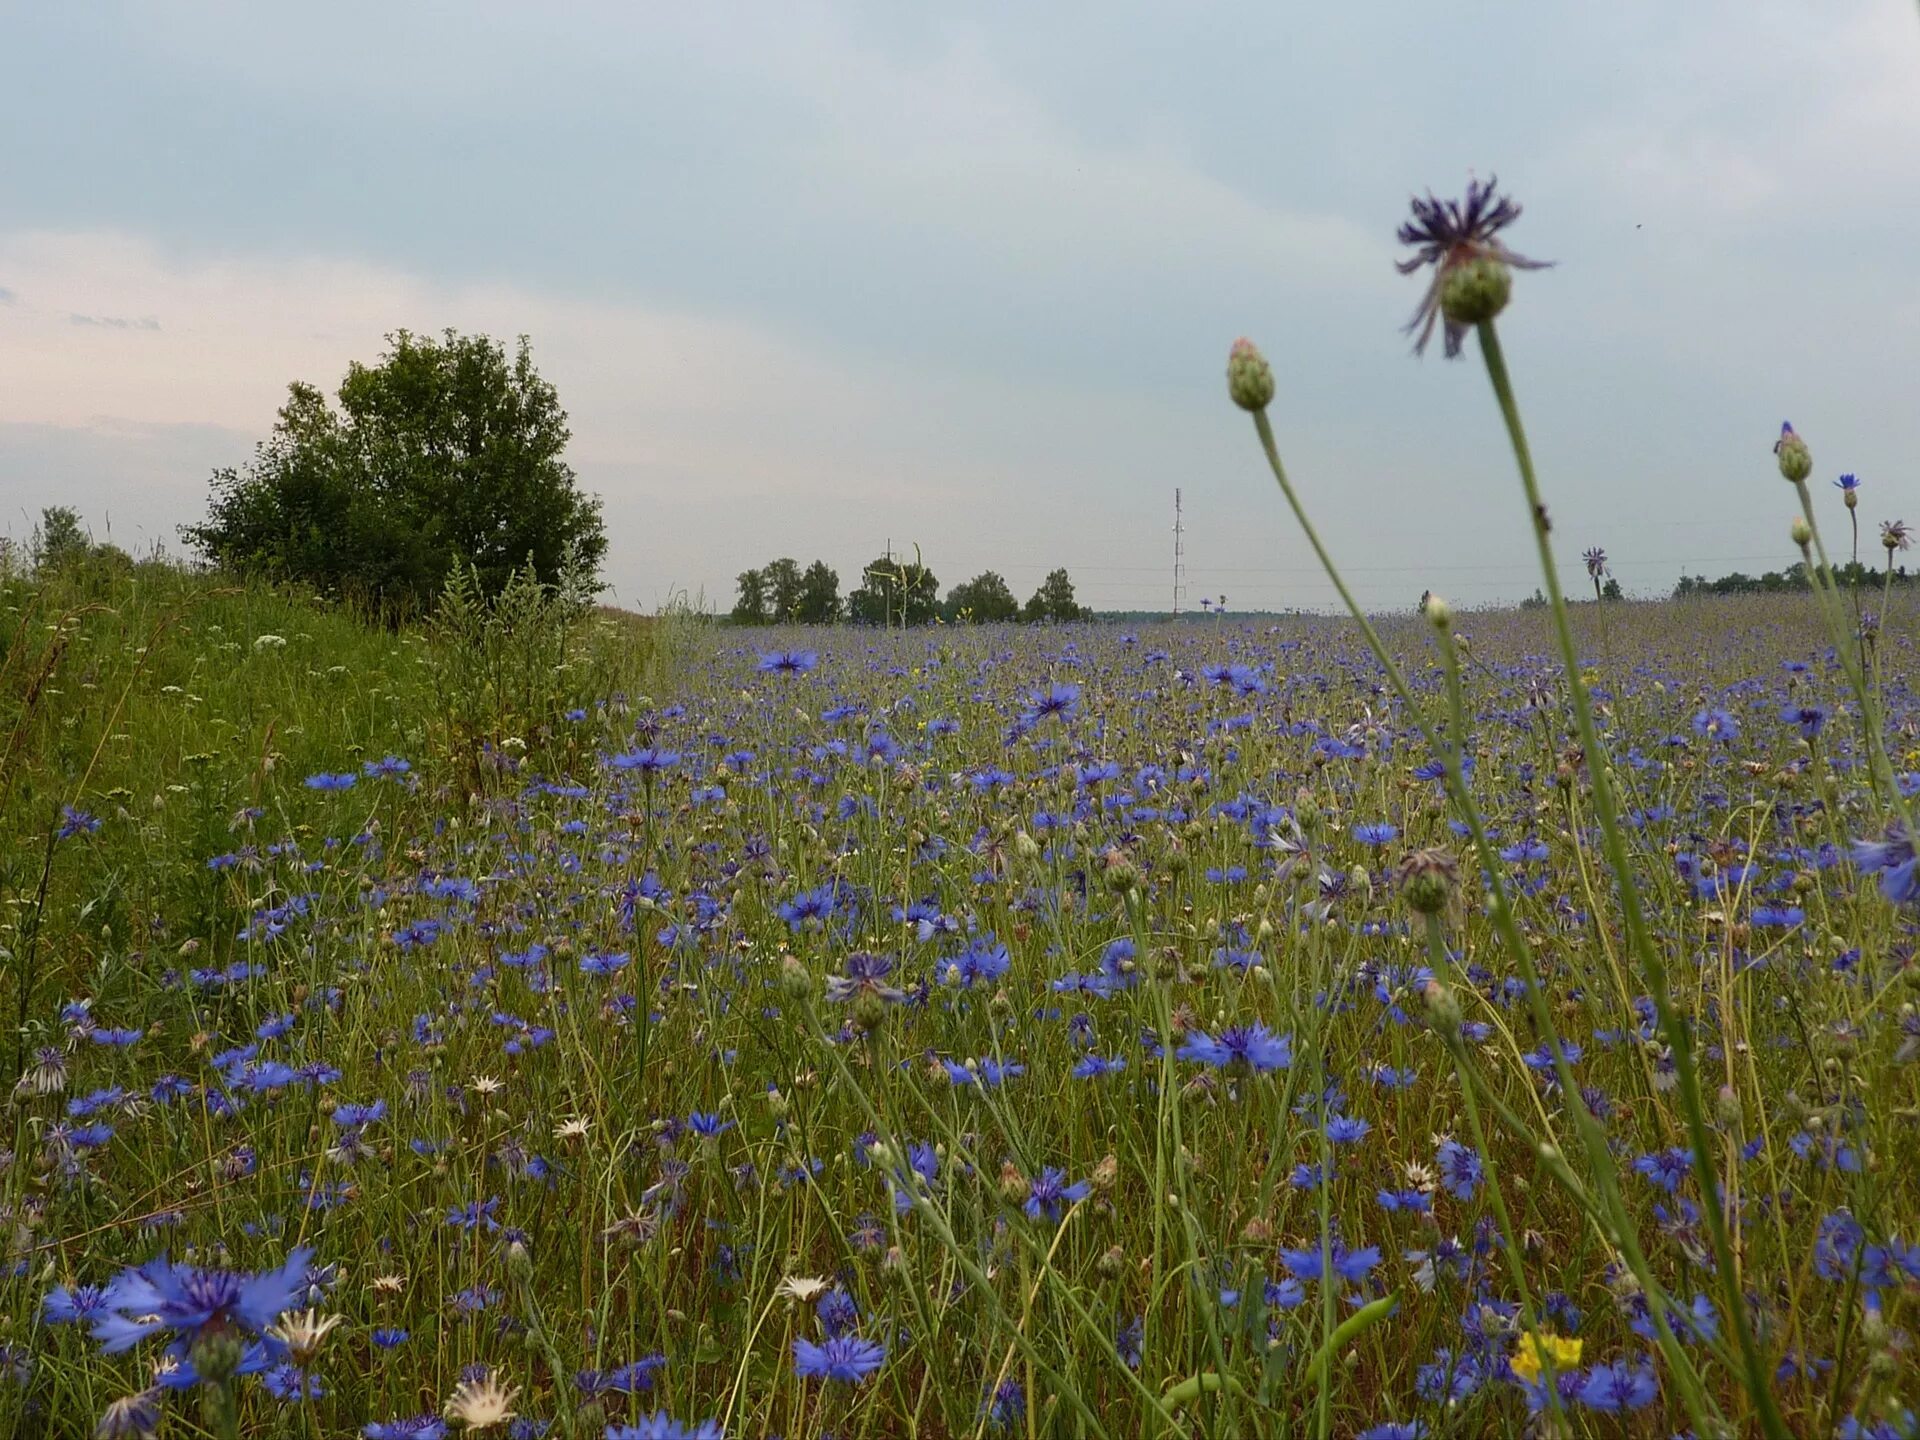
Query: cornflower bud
column 1796, row 461
column 1249, row 377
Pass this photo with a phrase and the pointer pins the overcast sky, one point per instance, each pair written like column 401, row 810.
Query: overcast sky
column 810, row 278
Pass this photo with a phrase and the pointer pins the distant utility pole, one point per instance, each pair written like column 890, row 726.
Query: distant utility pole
column 1179, row 555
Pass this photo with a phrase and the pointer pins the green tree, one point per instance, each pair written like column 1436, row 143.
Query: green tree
column 985, row 600
column 447, row 451
column 783, row 588
column 894, row 591
column 1054, row 600
column 751, row 607
column 59, row 537
column 819, row 600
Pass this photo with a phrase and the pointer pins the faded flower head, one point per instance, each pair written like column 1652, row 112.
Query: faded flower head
column 482, row 1404
column 1895, row 535
column 1596, row 559
column 1472, row 266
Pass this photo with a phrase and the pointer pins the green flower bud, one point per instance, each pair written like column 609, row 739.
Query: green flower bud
column 1796, row 461
column 1439, row 613
column 1427, row 880
column 1802, row 532
column 1249, row 377
column 1476, row 290
column 796, row 983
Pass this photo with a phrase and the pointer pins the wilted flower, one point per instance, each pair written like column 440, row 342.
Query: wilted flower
column 1895, row 535
column 1471, row 264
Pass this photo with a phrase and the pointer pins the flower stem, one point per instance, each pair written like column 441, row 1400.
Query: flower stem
column 1673, row 1024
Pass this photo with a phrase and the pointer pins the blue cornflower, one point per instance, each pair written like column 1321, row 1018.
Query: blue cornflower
column 1241, row 1047
column 836, row 1312
column 846, row 1358
column 1893, row 858
column 1617, row 1387
column 1006, row 1406
column 1396, row 1430
column 809, row 906
column 1350, row 1265
column 649, row 761
column 1811, row 719
column 390, row 768
column 1346, row 1129
column 707, row 1126
column 418, row 1427
column 787, row 662
column 1460, row 1169
column 75, row 822
column 1061, row 698
column 1716, row 724
column 1092, row 1067
column 323, row 781
column 661, row 1426
column 81, row 1304
column 1665, row 1168
column 1050, row 1194
column 188, row 1302
column 475, row 1214
column 1377, row 834
column 1847, row 484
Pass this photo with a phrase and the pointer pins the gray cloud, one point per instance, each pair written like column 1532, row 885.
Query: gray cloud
column 1007, row 247
column 114, row 322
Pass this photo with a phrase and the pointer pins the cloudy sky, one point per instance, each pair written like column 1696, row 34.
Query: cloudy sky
column 810, row 278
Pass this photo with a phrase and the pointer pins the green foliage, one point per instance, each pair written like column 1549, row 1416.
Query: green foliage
column 1054, row 601
column 446, row 453
column 895, row 591
column 751, row 607
column 984, row 600
column 507, row 667
column 1792, row 580
column 818, row 602
column 59, row 537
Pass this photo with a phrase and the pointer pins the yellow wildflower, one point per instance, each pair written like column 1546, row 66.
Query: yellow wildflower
column 1535, row 1350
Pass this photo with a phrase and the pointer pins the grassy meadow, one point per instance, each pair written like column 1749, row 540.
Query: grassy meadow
column 578, row 1026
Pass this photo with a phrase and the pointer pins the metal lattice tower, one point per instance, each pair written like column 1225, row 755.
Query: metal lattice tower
column 1179, row 556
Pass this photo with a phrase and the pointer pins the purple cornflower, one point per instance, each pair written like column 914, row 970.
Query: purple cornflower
column 866, row 974
column 1449, row 235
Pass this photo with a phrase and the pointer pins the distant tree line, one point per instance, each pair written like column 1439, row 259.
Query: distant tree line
column 894, row 591
column 1793, row 578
